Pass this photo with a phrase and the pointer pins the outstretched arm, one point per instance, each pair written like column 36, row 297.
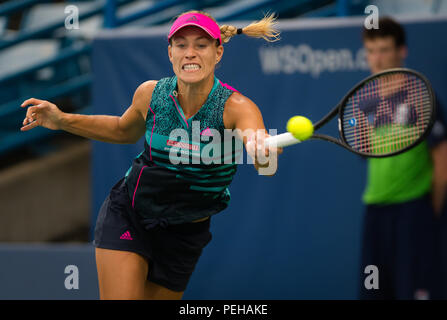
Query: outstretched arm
column 128, row 128
column 242, row 114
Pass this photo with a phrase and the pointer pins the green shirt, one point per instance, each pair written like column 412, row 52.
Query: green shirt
column 400, row 178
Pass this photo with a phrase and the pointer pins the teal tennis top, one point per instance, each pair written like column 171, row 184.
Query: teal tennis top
column 186, row 166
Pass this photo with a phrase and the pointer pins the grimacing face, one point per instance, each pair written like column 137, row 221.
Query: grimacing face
column 382, row 53
column 194, row 54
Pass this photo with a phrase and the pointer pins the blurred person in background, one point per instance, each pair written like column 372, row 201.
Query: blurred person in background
column 404, row 196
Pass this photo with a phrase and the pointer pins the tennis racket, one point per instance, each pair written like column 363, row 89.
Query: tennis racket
column 383, row 115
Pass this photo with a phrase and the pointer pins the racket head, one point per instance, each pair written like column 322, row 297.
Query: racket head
column 387, row 113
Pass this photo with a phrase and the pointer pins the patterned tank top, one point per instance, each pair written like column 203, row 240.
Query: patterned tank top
column 186, row 166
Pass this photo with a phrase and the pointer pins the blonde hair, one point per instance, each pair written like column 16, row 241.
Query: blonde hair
column 264, row 28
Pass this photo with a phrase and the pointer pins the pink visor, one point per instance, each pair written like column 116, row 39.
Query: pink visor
column 198, row 20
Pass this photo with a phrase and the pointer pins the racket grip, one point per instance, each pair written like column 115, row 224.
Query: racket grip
column 282, row 140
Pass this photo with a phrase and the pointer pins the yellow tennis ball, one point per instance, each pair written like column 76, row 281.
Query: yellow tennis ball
column 300, row 127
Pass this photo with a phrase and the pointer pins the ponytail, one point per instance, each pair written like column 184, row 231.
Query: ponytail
column 264, row 29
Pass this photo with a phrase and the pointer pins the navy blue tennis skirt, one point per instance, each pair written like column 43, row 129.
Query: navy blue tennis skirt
column 172, row 251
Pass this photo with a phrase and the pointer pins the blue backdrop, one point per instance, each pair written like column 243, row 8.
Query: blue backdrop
column 295, row 235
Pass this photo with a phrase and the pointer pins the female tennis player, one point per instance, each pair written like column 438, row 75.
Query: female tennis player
column 155, row 222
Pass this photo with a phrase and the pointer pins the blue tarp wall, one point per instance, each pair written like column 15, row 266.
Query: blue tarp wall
column 295, row 235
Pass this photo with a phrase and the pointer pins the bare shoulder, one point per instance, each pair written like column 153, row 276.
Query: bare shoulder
column 238, row 106
column 237, row 99
column 143, row 95
column 237, row 103
column 144, row 90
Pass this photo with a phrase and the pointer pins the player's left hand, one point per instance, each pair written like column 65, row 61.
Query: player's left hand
column 265, row 158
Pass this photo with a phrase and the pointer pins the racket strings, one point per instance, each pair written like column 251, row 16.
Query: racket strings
column 387, row 114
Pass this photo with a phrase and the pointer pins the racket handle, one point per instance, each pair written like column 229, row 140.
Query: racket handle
column 282, row 140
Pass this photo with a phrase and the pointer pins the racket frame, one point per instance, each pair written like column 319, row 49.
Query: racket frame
column 340, row 107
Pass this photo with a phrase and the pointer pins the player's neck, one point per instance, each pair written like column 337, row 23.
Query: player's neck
column 192, row 96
